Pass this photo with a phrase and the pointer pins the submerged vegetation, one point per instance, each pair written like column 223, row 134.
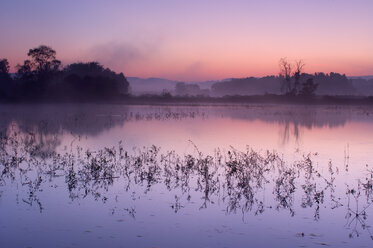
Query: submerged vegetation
column 238, row 181
column 63, row 165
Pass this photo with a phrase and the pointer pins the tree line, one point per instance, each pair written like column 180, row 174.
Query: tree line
column 291, row 75
column 292, row 81
column 42, row 77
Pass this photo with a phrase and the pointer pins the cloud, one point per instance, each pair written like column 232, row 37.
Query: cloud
column 121, row 55
column 195, row 68
column 193, row 71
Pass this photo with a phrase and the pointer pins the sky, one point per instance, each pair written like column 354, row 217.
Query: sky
column 194, row 40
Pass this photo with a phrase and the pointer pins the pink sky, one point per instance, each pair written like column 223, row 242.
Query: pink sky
column 195, row 40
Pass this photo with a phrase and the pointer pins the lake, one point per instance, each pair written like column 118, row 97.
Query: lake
column 101, row 175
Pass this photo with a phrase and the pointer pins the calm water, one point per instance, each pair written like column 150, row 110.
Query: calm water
column 186, row 176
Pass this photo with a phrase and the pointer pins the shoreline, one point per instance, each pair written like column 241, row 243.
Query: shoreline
column 203, row 100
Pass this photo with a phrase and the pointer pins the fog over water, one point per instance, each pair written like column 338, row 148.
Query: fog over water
column 186, row 124
column 154, row 176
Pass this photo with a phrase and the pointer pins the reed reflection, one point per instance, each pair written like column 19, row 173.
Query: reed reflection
column 244, row 182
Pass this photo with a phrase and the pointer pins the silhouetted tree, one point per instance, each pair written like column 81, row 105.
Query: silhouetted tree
column 44, row 59
column 4, row 66
column 297, row 75
column 5, row 79
column 333, row 84
column 285, row 73
column 84, row 69
column 40, row 78
column 25, row 71
column 37, row 73
column 308, row 88
column 91, row 80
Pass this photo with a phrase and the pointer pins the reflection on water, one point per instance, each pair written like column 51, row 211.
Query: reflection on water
column 71, row 171
column 89, row 118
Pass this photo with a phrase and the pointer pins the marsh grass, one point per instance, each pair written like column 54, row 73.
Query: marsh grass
column 243, row 182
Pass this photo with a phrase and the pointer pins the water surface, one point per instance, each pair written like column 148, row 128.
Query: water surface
column 185, row 176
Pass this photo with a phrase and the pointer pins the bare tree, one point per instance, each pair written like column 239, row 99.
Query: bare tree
column 285, row 72
column 299, row 64
column 289, row 72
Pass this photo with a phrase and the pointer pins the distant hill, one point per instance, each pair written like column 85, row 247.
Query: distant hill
column 329, row 84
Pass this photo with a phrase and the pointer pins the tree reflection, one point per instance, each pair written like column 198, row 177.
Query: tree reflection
column 52, row 120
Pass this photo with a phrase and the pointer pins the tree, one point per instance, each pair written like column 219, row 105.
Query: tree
column 4, row 66
column 308, row 88
column 288, row 74
column 6, row 82
column 25, row 71
column 297, row 73
column 83, row 69
column 44, row 59
column 285, row 72
column 91, row 80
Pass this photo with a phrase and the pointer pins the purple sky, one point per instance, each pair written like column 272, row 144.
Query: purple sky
column 194, row 40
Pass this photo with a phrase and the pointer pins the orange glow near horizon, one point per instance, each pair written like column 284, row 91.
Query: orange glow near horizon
column 197, row 40
column 210, row 66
